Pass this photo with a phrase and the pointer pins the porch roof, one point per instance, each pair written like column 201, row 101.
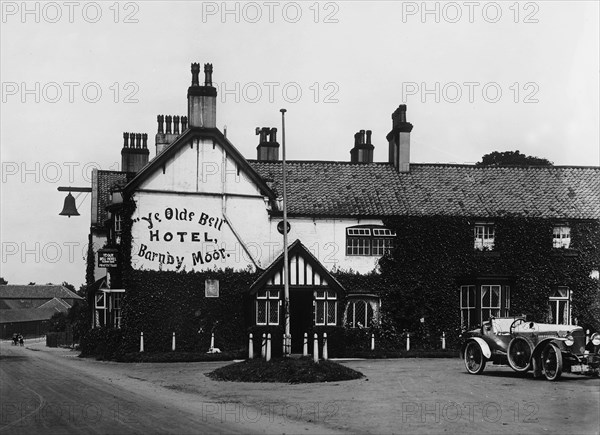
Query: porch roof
column 296, row 249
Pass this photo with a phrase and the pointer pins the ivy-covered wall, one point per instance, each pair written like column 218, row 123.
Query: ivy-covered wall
column 159, row 303
column 435, row 254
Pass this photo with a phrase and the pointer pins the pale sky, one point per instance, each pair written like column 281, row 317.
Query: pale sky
column 494, row 76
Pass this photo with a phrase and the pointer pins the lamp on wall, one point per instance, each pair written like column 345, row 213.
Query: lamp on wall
column 69, row 207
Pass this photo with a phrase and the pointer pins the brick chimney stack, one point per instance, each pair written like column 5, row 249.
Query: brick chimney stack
column 202, row 100
column 268, row 147
column 164, row 138
column 399, row 140
column 363, row 149
column 135, row 154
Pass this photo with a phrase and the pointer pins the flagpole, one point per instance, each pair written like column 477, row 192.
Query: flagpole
column 286, row 278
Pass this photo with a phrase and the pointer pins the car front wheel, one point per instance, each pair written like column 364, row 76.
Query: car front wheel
column 552, row 362
column 474, row 359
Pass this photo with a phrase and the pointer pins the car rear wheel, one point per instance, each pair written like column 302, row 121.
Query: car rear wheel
column 474, row 359
column 519, row 354
column 552, row 362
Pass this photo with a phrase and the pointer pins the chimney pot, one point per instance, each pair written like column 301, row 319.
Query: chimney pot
column 169, row 120
column 208, row 69
column 176, row 124
column 184, row 123
column 357, row 138
column 138, row 140
column 195, row 72
column 273, row 135
column 369, row 132
column 125, row 140
column 160, row 119
column 145, row 140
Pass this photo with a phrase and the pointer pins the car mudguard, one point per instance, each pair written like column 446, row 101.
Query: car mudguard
column 542, row 344
column 485, row 349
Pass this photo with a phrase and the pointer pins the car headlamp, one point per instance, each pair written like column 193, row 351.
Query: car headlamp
column 569, row 341
column 596, row 339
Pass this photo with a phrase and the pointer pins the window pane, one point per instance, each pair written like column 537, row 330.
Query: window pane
column 320, row 313
column 369, row 315
column 331, row 312
column 273, row 312
column 359, row 314
column 261, row 312
column 485, row 295
column 496, row 296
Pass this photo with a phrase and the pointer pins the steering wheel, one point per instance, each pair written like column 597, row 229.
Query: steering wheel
column 514, row 324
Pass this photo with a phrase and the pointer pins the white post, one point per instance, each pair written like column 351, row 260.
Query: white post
column 443, row 341
column 268, row 356
column 141, row 341
column 407, row 341
column 372, row 341
column 325, row 353
column 587, row 336
column 305, row 350
column 250, row 347
column 263, row 346
column 173, row 343
column 316, row 348
column 212, row 340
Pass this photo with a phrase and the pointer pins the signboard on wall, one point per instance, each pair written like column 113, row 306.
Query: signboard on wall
column 108, row 258
column 211, row 288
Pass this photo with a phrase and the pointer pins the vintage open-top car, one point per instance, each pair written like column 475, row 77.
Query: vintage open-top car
column 544, row 348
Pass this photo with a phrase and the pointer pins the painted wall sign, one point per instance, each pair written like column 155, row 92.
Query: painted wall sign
column 198, row 232
column 108, row 258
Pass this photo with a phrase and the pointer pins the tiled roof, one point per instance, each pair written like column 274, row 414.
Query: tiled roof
column 29, row 314
column 11, row 291
column 107, row 180
column 377, row 189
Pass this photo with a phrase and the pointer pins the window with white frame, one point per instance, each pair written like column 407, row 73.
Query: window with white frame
column 267, row 307
column 116, row 300
column 325, row 307
column 479, row 303
column 561, row 237
column 490, row 301
column 359, row 314
column 108, row 308
column 560, row 306
column 468, row 306
column 484, row 236
column 369, row 241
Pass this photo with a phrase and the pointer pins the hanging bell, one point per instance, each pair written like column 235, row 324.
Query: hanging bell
column 69, row 209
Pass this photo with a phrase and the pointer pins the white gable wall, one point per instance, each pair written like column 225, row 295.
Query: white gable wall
column 201, row 213
column 200, row 166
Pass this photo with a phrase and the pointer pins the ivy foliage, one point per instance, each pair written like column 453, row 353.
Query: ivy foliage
column 435, row 254
column 160, row 303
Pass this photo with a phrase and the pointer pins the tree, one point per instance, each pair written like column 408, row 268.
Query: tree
column 512, row 158
column 3, row 281
column 69, row 286
column 31, row 283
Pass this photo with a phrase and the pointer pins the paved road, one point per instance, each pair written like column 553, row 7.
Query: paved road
column 53, row 391
column 44, row 393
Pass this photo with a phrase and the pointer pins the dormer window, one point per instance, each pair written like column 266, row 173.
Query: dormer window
column 369, row 240
column 561, row 237
column 484, row 234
